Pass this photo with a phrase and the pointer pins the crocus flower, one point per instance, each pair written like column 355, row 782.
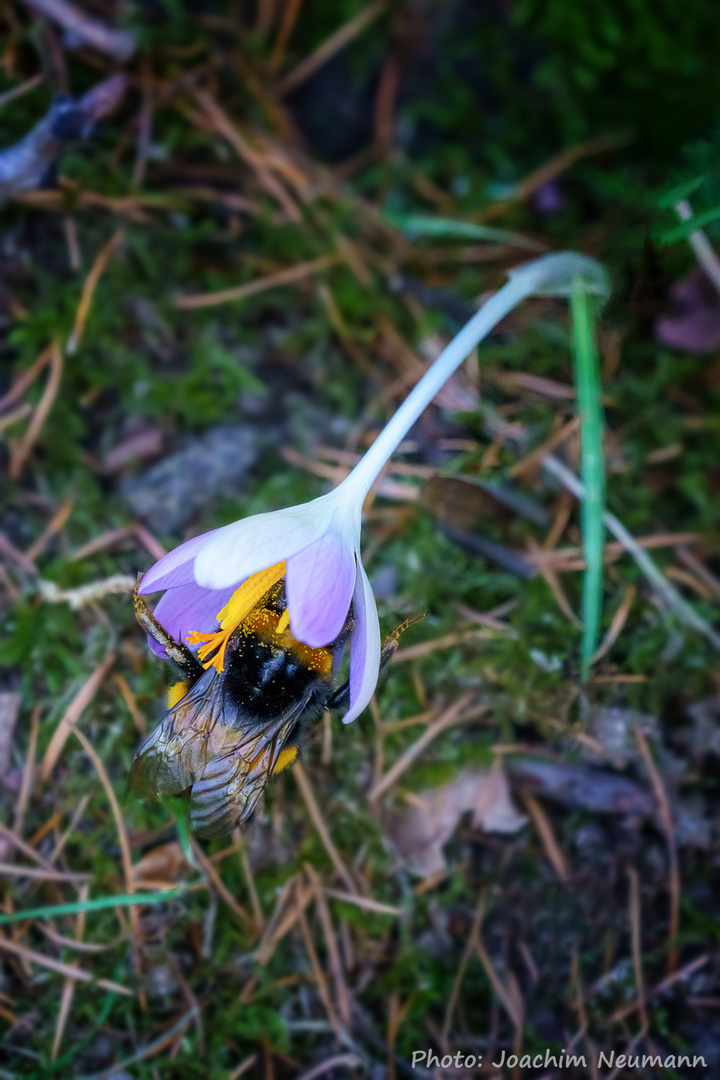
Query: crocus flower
column 213, row 582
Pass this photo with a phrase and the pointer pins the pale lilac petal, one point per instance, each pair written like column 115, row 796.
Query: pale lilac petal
column 548, row 198
column 692, row 322
column 364, row 647
column 175, row 568
column 188, row 608
column 239, row 550
column 319, row 582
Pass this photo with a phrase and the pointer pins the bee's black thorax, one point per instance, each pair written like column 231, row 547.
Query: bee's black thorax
column 264, row 679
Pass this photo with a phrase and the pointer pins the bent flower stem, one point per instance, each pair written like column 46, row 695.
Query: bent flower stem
column 315, row 547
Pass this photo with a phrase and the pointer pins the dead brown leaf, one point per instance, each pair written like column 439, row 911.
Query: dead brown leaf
column 421, row 834
column 165, row 862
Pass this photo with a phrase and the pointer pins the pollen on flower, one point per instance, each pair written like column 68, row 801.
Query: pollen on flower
column 238, row 607
column 245, row 612
column 269, row 625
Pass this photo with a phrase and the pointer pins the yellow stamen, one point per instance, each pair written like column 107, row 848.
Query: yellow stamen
column 238, row 607
column 284, row 622
column 177, row 693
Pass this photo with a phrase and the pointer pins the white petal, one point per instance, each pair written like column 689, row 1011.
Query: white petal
column 236, row 551
column 364, row 647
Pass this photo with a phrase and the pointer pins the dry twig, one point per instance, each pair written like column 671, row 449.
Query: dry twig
column 212, row 875
column 68, row 970
column 329, row 48
column 365, row 902
column 341, row 988
column 303, row 783
column 547, row 836
column 28, row 773
column 667, row 593
column 119, row 584
column 470, row 948
column 54, row 526
column 272, row 281
column 455, row 714
column 637, row 943
column 91, row 282
column 22, row 452
column 69, row 986
column 72, row 714
column 669, row 830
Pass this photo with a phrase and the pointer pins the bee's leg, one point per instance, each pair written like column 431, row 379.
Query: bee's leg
column 176, row 651
column 341, row 698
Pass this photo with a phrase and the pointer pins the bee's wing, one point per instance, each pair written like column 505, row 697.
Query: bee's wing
column 233, row 780
column 225, row 796
column 175, row 753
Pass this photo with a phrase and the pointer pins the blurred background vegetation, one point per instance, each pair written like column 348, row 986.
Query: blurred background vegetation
column 225, row 255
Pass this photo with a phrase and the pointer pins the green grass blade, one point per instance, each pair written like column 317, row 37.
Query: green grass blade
column 101, row 903
column 180, row 811
column 682, row 231
column 680, row 191
column 589, row 396
column 448, row 228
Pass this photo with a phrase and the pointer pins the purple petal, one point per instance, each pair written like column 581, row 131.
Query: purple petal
column 548, row 198
column 175, row 568
column 693, row 321
column 187, row 608
column 319, row 582
column 364, row 647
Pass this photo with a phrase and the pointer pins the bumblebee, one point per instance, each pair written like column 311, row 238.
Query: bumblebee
column 230, row 726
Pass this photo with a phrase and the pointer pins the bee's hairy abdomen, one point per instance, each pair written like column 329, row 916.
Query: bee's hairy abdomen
column 265, row 679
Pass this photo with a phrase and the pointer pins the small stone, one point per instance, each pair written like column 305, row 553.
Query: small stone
column 167, row 495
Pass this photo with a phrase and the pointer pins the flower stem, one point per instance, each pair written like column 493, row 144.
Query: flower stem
column 550, row 275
